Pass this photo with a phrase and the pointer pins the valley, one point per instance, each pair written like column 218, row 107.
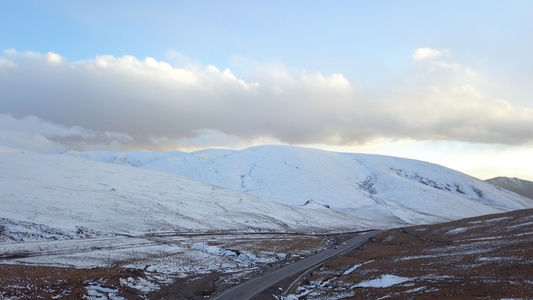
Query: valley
column 484, row 257
column 146, row 225
column 129, row 267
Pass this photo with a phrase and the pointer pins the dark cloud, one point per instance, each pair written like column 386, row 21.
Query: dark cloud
column 144, row 104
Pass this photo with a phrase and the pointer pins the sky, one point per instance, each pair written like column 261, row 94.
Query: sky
column 447, row 82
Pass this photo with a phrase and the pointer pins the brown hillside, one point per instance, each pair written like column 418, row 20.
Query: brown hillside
column 486, row 257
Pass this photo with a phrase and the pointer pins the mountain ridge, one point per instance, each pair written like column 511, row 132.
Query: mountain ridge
column 395, row 190
column 517, row 185
column 67, row 192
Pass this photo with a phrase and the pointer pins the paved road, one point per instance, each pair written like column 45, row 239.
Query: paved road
column 250, row 288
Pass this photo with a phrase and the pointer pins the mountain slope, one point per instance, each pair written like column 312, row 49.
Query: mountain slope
column 68, row 193
column 519, row 186
column 393, row 190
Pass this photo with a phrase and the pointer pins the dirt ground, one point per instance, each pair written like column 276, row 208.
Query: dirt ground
column 488, row 257
column 43, row 282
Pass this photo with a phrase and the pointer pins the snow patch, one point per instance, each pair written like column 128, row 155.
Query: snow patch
column 98, row 291
column 491, row 220
column 457, row 230
column 352, row 269
column 139, row 284
column 382, row 281
column 242, row 257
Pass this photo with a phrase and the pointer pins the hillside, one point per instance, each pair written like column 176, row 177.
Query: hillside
column 55, row 195
column 519, row 186
column 130, row 224
column 393, row 190
column 477, row 258
column 80, row 229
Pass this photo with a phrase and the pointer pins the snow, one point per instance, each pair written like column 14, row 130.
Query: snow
column 519, row 186
column 415, row 290
column 383, row 281
column 393, row 190
column 69, row 194
column 67, row 211
column 491, row 220
column 457, row 230
column 140, row 284
column 243, row 258
column 491, row 259
column 352, row 269
column 5, row 149
column 91, row 209
column 96, row 291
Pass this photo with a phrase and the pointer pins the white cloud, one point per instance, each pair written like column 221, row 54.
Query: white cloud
column 466, row 92
column 148, row 104
column 470, row 72
column 435, row 65
column 429, row 53
column 435, row 60
column 54, row 59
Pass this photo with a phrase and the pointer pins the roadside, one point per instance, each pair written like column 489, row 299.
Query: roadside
column 251, row 288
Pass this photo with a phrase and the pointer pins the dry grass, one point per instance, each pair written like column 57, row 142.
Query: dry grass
column 43, row 282
column 271, row 246
column 488, row 257
column 48, row 282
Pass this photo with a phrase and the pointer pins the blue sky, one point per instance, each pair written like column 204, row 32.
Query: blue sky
column 360, row 39
column 444, row 81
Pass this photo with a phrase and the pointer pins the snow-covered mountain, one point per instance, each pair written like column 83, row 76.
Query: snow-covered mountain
column 56, row 196
column 517, row 185
column 390, row 190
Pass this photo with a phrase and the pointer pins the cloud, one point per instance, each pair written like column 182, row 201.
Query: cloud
column 125, row 102
column 435, row 60
column 428, row 53
column 54, row 59
column 32, row 133
column 6, row 63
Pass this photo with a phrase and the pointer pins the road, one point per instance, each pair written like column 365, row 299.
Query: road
column 250, row 288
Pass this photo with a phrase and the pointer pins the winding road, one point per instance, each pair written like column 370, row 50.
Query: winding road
column 249, row 289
